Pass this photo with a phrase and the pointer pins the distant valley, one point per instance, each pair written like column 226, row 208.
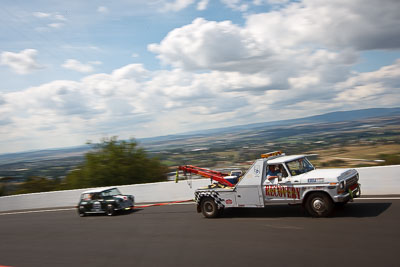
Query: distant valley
column 235, row 145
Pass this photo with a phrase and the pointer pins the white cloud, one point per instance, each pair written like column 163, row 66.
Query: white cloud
column 59, row 17
column 23, row 62
column 381, row 87
column 73, row 64
column 52, row 20
column 56, row 25
column 236, row 5
column 333, row 24
column 272, row 2
column 83, row 48
column 202, row 4
column 204, row 44
column 295, row 48
column 298, row 28
column 133, row 101
column 102, row 9
column 176, row 5
column 53, row 16
column 41, row 15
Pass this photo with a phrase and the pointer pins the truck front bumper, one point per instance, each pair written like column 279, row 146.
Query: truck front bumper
column 349, row 195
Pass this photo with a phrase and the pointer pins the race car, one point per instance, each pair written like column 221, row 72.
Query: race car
column 107, row 200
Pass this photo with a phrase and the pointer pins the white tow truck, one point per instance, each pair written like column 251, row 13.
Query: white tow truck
column 295, row 181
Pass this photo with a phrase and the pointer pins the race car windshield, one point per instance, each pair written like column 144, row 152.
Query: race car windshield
column 111, row 192
column 299, row 166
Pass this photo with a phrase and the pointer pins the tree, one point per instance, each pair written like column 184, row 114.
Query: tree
column 114, row 162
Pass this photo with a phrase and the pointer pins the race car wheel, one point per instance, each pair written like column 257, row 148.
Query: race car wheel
column 81, row 212
column 209, row 208
column 110, row 210
column 319, row 205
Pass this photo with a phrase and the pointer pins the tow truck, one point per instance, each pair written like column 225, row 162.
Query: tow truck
column 296, row 182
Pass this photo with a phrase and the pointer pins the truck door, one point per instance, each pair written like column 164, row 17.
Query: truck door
column 280, row 190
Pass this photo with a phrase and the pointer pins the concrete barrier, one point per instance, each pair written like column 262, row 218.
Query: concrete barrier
column 144, row 193
column 374, row 181
column 384, row 180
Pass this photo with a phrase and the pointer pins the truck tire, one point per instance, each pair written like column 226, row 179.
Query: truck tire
column 209, row 208
column 319, row 205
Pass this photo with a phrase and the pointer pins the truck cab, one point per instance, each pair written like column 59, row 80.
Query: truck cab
column 277, row 178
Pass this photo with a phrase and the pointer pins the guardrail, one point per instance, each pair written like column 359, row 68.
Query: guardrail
column 383, row 180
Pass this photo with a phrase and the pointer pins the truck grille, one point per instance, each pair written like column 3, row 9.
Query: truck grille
column 351, row 181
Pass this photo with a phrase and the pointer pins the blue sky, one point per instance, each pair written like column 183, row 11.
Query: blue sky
column 74, row 71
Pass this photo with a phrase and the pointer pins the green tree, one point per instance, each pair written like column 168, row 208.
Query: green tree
column 114, row 162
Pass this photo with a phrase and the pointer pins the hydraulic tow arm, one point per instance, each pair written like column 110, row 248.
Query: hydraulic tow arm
column 214, row 175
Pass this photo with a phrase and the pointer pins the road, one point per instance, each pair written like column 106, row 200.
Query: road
column 364, row 233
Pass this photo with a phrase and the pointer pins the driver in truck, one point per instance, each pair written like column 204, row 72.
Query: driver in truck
column 273, row 174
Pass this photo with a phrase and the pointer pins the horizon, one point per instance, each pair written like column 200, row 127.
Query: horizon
column 190, row 133
column 77, row 71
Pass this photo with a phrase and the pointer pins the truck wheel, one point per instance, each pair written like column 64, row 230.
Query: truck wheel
column 319, row 205
column 110, row 210
column 209, row 208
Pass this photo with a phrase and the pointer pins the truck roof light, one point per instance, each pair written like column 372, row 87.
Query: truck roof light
column 272, row 154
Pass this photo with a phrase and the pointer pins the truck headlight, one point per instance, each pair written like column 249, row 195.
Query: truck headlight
column 341, row 187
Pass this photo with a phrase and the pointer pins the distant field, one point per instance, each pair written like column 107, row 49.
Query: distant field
column 346, row 143
column 356, row 156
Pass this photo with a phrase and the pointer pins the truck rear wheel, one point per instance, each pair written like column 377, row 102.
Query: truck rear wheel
column 209, row 208
column 319, row 205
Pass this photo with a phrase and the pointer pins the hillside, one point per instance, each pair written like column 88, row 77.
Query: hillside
column 233, row 145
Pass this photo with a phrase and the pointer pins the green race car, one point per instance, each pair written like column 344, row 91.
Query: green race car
column 104, row 200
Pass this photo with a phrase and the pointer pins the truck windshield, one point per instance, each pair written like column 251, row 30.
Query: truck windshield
column 299, row 166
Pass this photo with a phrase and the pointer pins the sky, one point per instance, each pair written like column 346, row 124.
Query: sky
column 77, row 71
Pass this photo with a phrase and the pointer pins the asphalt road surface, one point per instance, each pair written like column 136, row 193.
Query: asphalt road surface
column 363, row 233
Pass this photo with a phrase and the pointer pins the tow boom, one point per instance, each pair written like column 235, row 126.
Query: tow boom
column 214, row 175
